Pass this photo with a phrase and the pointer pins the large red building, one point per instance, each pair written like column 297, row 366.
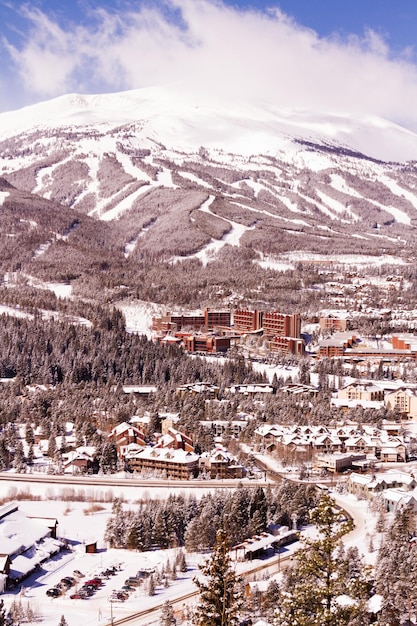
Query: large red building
column 206, row 343
column 247, row 321
column 281, row 325
column 216, row 319
column 287, row 345
column 174, row 322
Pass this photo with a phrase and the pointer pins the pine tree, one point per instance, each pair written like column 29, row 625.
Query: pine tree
column 2, row 613
column 167, row 615
column 16, row 611
column 396, row 569
column 151, row 586
column 220, row 598
column 182, row 563
column 313, row 587
column 30, row 614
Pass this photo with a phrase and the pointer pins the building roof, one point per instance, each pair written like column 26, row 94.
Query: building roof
column 167, row 455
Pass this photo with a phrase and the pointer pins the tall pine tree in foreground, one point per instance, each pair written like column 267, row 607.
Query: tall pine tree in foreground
column 220, row 598
column 396, row 570
column 322, row 588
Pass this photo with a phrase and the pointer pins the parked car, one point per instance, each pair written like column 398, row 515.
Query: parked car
column 95, row 580
column 89, row 590
column 133, row 581
column 54, row 592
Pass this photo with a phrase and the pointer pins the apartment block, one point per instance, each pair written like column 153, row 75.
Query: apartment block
column 333, row 323
column 287, row 345
column 188, row 320
column 281, row 325
column 206, row 343
column 247, row 321
column 214, row 319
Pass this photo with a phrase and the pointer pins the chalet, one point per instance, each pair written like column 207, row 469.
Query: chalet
column 206, row 389
column 304, row 443
column 393, row 452
column 360, row 391
column 123, row 434
column 82, row 460
column 396, row 499
column 252, row 390
column 175, row 440
column 367, row 486
column 297, row 389
column 221, row 464
column 220, row 427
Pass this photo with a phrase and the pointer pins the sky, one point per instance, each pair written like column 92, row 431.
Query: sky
column 356, row 57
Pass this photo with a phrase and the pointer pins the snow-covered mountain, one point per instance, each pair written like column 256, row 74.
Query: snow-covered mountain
column 183, row 174
column 184, row 121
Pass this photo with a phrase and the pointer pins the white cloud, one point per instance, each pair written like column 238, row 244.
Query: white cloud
column 222, row 49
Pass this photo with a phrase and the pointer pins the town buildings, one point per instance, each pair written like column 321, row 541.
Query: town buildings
column 394, row 489
column 321, row 445
column 214, row 330
column 347, row 346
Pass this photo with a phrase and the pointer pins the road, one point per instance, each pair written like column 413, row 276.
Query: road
column 95, row 480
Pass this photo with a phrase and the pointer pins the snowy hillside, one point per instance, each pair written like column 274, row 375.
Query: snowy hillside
column 166, row 174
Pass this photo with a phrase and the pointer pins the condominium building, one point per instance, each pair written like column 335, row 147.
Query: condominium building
column 214, row 319
column 287, row 345
column 247, row 321
column 281, row 325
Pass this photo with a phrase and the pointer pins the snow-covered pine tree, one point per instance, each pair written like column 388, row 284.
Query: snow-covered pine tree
column 313, row 589
column 220, row 597
column 151, row 586
column 181, row 561
column 167, row 615
column 396, row 570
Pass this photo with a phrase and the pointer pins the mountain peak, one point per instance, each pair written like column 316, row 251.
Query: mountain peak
column 182, row 119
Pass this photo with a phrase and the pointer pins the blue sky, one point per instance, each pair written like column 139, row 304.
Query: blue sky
column 347, row 56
